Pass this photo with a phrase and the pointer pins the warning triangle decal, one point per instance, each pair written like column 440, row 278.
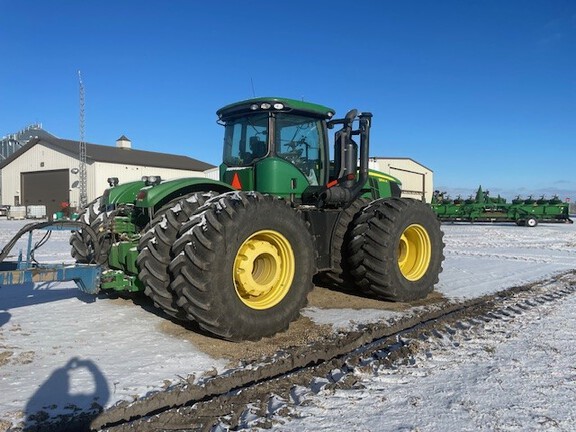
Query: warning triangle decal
column 236, row 182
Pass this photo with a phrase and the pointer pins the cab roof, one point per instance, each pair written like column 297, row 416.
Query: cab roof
column 274, row 104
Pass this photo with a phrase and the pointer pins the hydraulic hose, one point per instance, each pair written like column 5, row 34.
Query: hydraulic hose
column 39, row 225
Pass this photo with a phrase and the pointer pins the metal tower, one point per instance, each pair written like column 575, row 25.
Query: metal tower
column 82, row 169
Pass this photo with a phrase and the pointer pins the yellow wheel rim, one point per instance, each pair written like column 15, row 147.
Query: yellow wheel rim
column 264, row 269
column 414, row 252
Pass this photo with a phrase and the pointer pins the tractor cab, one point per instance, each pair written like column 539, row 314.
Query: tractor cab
column 280, row 146
column 275, row 146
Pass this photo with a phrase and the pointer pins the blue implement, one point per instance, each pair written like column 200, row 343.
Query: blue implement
column 86, row 276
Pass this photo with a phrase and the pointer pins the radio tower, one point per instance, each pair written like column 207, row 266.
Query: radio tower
column 82, row 171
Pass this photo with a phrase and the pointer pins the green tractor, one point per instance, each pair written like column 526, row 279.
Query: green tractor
column 238, row 256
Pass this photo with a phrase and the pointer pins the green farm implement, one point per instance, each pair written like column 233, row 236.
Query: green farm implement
column 483, row 208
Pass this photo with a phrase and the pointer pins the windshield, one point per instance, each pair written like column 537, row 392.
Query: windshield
column 299, row 140
column 245, row 139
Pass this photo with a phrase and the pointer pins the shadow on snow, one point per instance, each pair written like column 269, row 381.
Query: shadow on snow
column 57, row 404
column 29, row 294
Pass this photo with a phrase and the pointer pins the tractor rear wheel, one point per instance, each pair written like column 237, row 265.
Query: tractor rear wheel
column 243, row 266
column 340, row 272
column 83, row 248
column 154, row 250
column 396, row 249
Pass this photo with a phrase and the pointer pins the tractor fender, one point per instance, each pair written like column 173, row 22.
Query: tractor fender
column 122, row 194
column 158, row 195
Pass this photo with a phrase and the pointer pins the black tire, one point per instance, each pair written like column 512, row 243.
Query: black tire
column 341, row 236
column 396, row 249
column 243, row 242
column 83, row 247
column 531, row 222
column 154, row 250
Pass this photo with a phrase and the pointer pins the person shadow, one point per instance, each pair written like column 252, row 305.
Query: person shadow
column 4, row 317
column 56, row 405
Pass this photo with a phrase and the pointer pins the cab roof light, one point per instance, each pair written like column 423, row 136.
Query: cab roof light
column 267, row 106
column 151, row 180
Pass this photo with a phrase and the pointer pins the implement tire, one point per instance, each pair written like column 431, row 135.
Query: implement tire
column 154, row 250
column 396, row 249
column 243, row 266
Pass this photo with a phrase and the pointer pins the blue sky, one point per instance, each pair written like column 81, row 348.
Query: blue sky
column 481, row 92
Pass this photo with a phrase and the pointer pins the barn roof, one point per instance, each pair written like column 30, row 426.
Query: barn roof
column 375, row 158
column 117, row 155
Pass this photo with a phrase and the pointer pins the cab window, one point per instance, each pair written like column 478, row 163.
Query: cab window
column 245, row 140
column 299, row 140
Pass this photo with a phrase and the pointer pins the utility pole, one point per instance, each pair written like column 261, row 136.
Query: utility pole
column 82, row 150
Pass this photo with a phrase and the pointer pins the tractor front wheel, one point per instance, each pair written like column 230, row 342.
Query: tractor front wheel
column 396, row 249
column 243, row 267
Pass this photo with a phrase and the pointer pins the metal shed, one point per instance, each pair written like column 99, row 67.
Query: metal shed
column 417, row 180
column 45, row 170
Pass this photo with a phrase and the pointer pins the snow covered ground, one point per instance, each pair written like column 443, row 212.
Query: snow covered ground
column 502, row 376
column 61, row 350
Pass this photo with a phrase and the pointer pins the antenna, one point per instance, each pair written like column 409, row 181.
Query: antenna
column 253, row 91
column 83, row 202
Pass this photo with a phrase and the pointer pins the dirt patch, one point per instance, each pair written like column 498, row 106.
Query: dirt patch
column 5, row 357
column 301, row 332
column 5, row 425
column 15, row 328
column 25, row 357
column 22, row 358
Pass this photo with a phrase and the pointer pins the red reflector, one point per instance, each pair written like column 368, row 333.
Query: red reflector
column 332, row 183
column 236, row 182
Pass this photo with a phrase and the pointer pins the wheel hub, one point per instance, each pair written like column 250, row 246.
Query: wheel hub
column 257, row 269
column 414, row 252
column 263, row 269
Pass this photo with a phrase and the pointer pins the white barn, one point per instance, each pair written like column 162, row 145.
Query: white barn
column 417, row 180
column 45, row 170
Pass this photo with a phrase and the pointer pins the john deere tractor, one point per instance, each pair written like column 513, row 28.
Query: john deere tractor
column 238, row 255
